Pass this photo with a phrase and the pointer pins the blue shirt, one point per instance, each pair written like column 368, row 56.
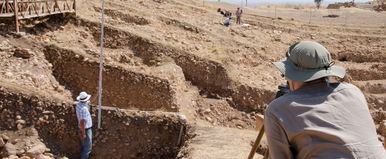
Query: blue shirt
column 83, row 113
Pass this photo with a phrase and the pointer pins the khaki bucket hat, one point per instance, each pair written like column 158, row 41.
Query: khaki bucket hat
column 308, row 60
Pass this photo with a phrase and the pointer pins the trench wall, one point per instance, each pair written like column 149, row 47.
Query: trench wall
column 115, row 14
column 252, row 98
column 131, row 135
column 367, row 74
column 370, row 56
column 121, row 88
column 210, row 76
column 206, row 74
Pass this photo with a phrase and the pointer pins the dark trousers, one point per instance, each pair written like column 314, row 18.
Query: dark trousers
column 238, row 19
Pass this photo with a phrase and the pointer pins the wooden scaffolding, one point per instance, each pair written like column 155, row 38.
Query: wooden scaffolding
column 25, row 9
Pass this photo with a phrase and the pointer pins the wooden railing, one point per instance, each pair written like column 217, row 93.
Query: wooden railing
column 24, row 9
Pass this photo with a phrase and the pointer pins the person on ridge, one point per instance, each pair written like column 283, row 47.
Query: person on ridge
column 227, row 21
column 84, row 123
column 319, row 119
column 239, row 12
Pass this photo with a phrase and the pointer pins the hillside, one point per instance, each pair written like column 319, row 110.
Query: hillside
column 176, row 56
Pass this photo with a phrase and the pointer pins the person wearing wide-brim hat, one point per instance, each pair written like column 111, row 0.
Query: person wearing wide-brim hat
column 84, row 123
column 318, row 118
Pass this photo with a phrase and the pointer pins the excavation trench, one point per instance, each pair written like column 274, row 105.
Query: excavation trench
column 208, row 75
column 121, row 87
column 367, row 74
column 124, row 17
column 365, row 56
column 124, row 134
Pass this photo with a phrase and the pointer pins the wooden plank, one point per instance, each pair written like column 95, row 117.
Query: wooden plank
column 22, row 10
column 68, row 6
column 6, row 5
column 7, row 15
column 57, row 4
column 74, row 6
column 2, row 7
column 35, row 8
column 16, row 15
column 48, row 7
column 45, row 14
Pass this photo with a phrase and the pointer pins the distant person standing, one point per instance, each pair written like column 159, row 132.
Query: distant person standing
column 84, row 123
column 239, row 12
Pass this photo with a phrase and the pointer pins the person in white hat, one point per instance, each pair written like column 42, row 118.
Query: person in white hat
column 319, row 119
column 84, row 123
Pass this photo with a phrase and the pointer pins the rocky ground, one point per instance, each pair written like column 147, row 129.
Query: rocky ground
column 24, row 144
column 218, row 77
column 23, row 63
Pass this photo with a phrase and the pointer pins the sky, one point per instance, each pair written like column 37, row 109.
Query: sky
column 265, row 2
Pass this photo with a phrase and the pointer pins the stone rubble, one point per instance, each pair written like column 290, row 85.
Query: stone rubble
column 23, row 144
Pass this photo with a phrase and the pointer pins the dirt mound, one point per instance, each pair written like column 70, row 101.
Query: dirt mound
column 24, row 143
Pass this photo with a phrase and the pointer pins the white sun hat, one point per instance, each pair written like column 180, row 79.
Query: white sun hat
column 83, row 97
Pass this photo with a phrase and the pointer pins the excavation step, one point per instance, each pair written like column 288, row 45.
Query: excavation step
column 221, row 142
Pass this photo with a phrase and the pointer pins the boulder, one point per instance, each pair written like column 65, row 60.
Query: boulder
column 2, row 142
column 36, row 150
column 41, row 156
column 5, row 137
column 12, row 157
column 20, row 122
column 22, row 53
column 5, row 46
column 19, row 126
column 382, row 128
column 32, row 132
column 10, row 149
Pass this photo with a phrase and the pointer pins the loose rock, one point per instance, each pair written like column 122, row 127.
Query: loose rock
column 36, row 150
column 23, row 53
column 2, row 142
column 10, row 149
column 5, row 137
column 32, row 132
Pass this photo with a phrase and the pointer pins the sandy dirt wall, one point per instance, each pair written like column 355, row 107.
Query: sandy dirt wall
column 122, row 88
column 363, row 56
column 123, row 135
column 367, row 74
column 139, row 135
column 209, row 75
column 252, row 98
column 54, row 120
column 124, row 17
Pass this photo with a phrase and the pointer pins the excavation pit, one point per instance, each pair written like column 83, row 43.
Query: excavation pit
column 124, row 134
column 210, row 76
column 122, row 88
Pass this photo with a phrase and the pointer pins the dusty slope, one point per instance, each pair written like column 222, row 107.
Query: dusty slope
column 223, row 75
column 220, row 142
